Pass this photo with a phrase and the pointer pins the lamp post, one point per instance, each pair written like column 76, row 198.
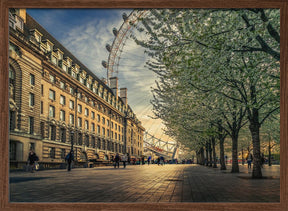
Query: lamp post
column 72, row 139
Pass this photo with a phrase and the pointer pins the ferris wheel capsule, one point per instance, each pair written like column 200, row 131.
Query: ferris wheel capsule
column 108, row 47
column 104, row 64
column 115, row 32
column 124, row 16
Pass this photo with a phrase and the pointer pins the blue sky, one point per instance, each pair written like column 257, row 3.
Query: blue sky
column 85, row 32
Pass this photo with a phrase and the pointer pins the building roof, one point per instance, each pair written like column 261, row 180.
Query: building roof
column 32, row 24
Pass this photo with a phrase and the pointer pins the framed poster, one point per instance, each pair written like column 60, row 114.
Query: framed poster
column 53, row 131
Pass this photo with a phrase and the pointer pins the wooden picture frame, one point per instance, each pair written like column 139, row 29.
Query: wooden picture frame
column 4, row 144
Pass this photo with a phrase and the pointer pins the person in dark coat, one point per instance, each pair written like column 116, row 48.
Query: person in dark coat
column 69, row 158
column 117, row 160
column 31, row 160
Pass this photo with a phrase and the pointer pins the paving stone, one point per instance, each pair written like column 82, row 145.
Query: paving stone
column 153, row 183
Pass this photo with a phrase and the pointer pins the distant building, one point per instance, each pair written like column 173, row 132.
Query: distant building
column 56, row 103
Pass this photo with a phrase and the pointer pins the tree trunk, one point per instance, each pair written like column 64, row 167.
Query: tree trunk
column 269, row 157
column 206, row 163
column 214, row 153
column 222, row 158
column 235, row 166
column 210, row 154
column 254, row 129
column 202, row 156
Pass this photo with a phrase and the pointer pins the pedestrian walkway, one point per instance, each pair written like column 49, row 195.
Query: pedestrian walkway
column 153, row 183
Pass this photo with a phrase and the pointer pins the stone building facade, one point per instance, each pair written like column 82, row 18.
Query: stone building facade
column 56, row 103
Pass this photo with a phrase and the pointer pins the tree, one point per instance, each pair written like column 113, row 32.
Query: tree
column 234, row 53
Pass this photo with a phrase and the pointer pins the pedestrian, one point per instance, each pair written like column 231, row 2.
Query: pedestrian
column 162, row 160
column 149, row 159
column 117, row 160
column 124, row 159
column 129, row 159
column 143, row 160
column 158, row 161
column 69, row 158
column 32, row 158
column 249, row 160
column 262, row 160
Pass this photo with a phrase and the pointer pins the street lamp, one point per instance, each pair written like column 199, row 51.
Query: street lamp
column 72, row 139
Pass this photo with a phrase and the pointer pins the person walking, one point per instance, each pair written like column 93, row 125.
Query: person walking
column 117, row 160
column 143, row 160
column 158, row 161
column 149, row 159
column 124, row 160
column 249, row 160
column 32, row 158
column 69, row 158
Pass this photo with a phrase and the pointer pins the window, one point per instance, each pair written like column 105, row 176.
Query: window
column 80, row 141
column 12, row 120
column 51, row 111
column 63, row 154
column 87, row 140
column 62, row 100
column 62, row 85
column 71, row 104
column 51, row 152
column 71, row 90
column 98, row 117
column 115, row 126
column 79, row 108
column 111, row 135
column 93, row 103
column 103, row 120
column 112, row 125
column 86, row 99
column 103, row 131
column 81, row 80
column 79, row 123
column 31, row 99
column 51, row 94
column 98, row 129
column 32, row 79
column 41, row 107
column 52, row 78
column 73, row 74
column 93, row 127
column 52, row 132
column 62, row 115
column 31, row 125
column 88, row 86
column 108, row 133
column 42, row 89
column 92, row 115
column 54, row 60
column 108, row 122
column 98, row 143
column 64, row 67
column 86, row 125
column 42, row 129
column 63, row 135
column 93, row 142
column 94, row 90
column 71, row 119
column 86, row 112
column 79, row 95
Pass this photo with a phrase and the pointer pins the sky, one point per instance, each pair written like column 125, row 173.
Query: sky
column 85, row 33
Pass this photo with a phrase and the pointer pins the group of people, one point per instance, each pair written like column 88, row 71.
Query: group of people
column 117, row 159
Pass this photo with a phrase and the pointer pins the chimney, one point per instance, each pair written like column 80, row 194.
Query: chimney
column 123, row 95
column 114, row 86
